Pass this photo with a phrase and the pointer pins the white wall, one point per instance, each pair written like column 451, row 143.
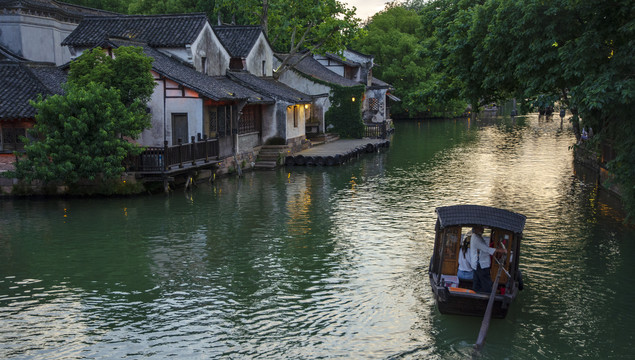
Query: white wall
column 36, row 38
column 269, row 128
column 193, row 107
column 209, row 47
column 161, row 121
column 334, row 66
column 154, row 135
column 261, row 51
column 181, row 52
column 302, row 84
column 295, row 131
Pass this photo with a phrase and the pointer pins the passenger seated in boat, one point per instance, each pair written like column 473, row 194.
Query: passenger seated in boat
column 465, row 268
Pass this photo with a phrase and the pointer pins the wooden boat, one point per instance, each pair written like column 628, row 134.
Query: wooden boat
column 502, row 228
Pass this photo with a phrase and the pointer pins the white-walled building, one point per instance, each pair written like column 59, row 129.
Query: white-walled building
column 34, row 30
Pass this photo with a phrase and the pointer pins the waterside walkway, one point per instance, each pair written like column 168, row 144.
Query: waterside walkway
column 336, row 152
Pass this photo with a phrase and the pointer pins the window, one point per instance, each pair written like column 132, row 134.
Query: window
column 350, row 72
column 220, row 121
column 250, row 120
column 295, row 116
column 10, row 137
column 204, row 65
column 373, row 104
column 264, row 68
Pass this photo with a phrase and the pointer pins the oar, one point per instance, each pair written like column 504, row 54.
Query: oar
column 488, row 314
column 488, row 311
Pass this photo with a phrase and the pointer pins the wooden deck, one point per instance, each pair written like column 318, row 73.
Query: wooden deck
column 336, row 152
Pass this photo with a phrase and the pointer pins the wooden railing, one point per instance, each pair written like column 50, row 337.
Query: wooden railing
column 377, row 131
column 161, row 159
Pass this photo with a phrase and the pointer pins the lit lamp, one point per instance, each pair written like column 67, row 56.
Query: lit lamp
column 353, row 99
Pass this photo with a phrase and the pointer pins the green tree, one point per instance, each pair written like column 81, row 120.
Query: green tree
column 128, row 71
column 84, row 134
column 344, row 117
column 166, row 6
column 397, row 39
column 578, row 52
column 118, row 6
column 294, row 26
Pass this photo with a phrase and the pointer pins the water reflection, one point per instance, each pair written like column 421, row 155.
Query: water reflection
column 312, row 262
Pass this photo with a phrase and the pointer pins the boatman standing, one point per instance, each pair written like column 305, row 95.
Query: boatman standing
column 480, row 260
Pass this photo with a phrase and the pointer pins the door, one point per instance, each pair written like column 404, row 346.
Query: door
column 179, row 129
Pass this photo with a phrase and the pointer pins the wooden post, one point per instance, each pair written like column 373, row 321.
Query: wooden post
column 206, row 150
column 166, row 167
column 180, row 153
column 193, row 151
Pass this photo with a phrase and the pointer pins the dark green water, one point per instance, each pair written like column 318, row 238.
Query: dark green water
column 309, row 263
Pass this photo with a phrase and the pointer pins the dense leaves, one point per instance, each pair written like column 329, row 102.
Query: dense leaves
column 394, row 38
column 128, row 71
column 84, row 134
column 80, row 133
column 294, row 26
column 578, row 55
column 344, row 117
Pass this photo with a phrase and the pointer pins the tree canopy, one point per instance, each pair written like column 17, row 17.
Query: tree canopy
column 83, row 134
column 579, row 54
column 397, row 39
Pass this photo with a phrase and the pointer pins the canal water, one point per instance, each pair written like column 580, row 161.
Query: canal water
column 314, row 263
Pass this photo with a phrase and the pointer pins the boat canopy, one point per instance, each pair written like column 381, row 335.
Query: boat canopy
column 470, row 215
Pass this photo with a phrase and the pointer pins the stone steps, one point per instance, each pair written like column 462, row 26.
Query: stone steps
column 269, row 156
column 324, row 139
column 265, row 165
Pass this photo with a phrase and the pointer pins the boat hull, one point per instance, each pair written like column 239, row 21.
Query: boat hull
column 470, row 304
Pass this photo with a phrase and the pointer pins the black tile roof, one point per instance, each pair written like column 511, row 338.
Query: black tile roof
column 469, row 215
column 238, row 40
column 21, row 82
column 379, row 84
column 8, row 55
column 156, row 30
column 270, row 87
column 367, row 56
column 312, row 68
column 342, row 60
column 218, row 88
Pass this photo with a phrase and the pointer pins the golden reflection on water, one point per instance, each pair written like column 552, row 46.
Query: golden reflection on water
column 299, row 192
column 332, row 259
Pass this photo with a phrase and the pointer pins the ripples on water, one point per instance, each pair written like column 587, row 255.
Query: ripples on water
column 308, row 263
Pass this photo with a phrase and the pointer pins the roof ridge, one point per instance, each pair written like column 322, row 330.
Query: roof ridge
column 39, row 82
column 10, row 55
column 121, row 16
column 237, row 26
